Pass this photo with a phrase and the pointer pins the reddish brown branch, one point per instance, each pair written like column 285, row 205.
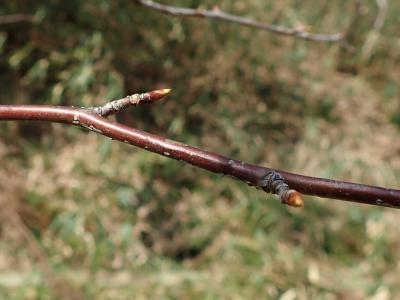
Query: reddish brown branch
column 220, row 15
column 258, row 176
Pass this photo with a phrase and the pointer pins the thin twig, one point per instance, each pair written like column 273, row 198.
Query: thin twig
column 115, row 106
column 381, row 15
column 220, row 15
column 15, row 18
column 263, row 178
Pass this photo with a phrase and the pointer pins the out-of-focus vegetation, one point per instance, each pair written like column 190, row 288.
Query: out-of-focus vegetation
column 86, row 217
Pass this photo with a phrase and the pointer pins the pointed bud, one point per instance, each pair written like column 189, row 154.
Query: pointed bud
column 158, row 94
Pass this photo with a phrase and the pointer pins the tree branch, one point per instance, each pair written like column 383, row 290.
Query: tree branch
column 287, row 185
column 220, row 15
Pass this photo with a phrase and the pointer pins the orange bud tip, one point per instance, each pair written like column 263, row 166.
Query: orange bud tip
column 158, row 94
column 295, row 199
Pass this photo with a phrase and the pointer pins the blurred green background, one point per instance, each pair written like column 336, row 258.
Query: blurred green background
column 83, row 217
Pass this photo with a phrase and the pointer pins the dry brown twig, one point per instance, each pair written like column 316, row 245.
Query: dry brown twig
column 12, row 190
column 287, row 185
column 216, row 13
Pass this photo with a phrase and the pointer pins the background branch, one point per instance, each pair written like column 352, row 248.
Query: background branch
column 375, row 34
column 220, row 15
column 261, row 177
column 15, row 18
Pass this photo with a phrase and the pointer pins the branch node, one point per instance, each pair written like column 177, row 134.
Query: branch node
column 274, row 183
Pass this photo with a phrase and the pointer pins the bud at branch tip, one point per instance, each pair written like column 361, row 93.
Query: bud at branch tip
column 158, row 94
